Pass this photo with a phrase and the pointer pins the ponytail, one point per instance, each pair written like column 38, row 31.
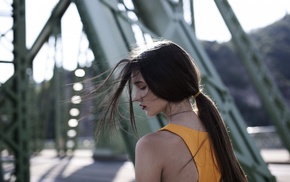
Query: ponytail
column 227, row 162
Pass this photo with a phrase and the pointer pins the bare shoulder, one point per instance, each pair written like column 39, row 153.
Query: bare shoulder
column 151, row 141
column 150, row 157
column 156, row 139
column 157, row 142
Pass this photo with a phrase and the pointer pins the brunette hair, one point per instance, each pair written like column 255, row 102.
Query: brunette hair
column 171, row 74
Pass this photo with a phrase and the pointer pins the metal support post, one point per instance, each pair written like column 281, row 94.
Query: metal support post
column 21, row 133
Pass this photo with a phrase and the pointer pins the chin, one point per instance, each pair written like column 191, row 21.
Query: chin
column 151, row 114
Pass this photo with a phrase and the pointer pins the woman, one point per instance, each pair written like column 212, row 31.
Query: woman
column 194, row 145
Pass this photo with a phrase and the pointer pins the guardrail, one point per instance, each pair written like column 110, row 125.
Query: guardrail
column 265, row 137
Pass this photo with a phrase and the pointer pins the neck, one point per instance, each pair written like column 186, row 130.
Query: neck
column 187, row 118
column 178, row 113
column 178, row 109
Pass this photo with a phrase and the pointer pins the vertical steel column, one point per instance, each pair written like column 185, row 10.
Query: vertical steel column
column 59, row 128
column 33, row 116
column 1, row 172
column 59, row 125
column 21, row 133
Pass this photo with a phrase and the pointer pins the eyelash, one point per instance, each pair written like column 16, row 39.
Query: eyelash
column 143, row 88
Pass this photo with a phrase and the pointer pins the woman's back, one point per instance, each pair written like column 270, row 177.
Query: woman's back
column 198, row 144
column 172, row 158
column 168, row 156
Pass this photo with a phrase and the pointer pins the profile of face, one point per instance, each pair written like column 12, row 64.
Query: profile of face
column 148, row 101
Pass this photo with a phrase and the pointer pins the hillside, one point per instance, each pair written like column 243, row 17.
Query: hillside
column 273, row 42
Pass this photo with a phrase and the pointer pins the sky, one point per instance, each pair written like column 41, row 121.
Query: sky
column 252, row 14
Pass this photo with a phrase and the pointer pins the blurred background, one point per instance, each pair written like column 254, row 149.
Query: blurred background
column 49, row 50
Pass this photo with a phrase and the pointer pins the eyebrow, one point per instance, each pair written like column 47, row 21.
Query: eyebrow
column 137, row 82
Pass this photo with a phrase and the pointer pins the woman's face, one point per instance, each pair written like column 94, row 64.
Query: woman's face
column 148, row 102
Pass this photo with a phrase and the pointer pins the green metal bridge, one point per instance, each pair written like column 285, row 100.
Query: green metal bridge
column 29, row 109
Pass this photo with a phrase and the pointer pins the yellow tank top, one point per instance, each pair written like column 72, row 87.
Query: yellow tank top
column 199, row 145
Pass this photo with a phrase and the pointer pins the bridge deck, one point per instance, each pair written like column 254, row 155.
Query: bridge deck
column 82, row 168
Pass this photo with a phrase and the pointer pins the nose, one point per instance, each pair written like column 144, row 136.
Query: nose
column 136, row 97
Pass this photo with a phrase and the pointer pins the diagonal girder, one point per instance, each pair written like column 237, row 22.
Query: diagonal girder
column 259, row 74
column 47, row 30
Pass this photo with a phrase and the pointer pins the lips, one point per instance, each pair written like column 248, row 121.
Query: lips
column 142, row 106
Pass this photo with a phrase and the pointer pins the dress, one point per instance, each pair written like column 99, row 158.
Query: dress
column 199, row 145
